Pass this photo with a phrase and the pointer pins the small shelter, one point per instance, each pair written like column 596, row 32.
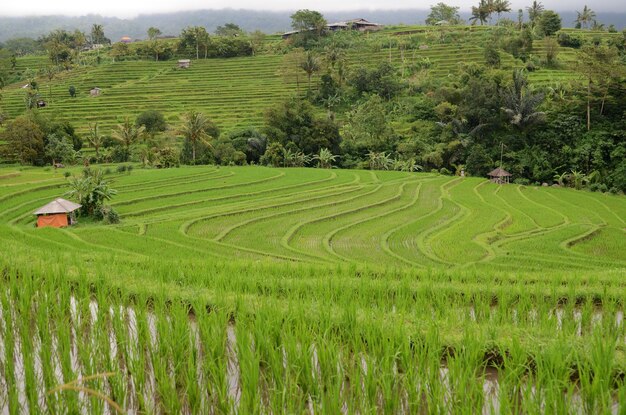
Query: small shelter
column 95, row 92
column 58, row 214
column 500, row 176
column 41, row 103
column 184, row 63
column 126, row 39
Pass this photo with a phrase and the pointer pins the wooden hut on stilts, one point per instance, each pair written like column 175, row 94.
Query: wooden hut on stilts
column 500, row 176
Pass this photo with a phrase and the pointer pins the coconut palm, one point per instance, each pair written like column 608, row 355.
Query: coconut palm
column 520, row 104
column 534, row 11
column 325, row 158
column 482, row 12
column 585, row 17
column 310, row 65
column 195, row 129
column 128, row 133
column 501, row 6
column 95, row 139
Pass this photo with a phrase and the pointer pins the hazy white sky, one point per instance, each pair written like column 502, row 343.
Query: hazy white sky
column 130, row 8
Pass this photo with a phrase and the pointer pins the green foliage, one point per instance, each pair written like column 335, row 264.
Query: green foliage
column 25, row 140
column 60, row 149
column 549, row 23
column 293, row 122
column 382, row 80
column 229, row 30
column 153, row 122
column 443, row 12
column 90, row 190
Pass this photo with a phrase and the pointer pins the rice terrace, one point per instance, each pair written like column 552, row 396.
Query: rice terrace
column 347, row 217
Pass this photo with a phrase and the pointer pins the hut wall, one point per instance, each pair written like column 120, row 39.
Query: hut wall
column 57, row 220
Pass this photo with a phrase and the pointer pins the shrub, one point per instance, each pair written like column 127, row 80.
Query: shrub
column 67, row 174
column 445, row 171
column 108, row 215
column 108, row 170
column 569, row 41
column 121, row 168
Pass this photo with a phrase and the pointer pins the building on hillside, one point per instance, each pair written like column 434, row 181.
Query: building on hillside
column 361, row 25
column 500, row 176
column 41, row 103
column 184, row 63
column 57, row 214
column 126, row 39
column 95, row 92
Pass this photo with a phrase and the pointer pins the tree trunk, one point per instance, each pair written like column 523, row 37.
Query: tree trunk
column 589, row 105
column 193, row 152
column 197, row 51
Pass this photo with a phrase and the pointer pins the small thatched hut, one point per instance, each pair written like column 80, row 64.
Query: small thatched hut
column 95, row 92
column 500, row 176
column 184, row 63
column 58, row 214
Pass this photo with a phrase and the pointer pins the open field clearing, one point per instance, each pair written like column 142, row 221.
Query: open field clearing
column 257, row 290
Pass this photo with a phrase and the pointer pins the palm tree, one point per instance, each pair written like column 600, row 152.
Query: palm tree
column 521, row 104
column 127, row 133
column 195, row 129
column 95, row 139
column 501, row 6
column 534, row 11
column 585, row 17
column 482, row 12
column 325, row 158
column 310, row 65
column 90, row 190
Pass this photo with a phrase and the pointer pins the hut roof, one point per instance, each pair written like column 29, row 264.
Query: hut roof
column 499, row 172
column 184, row 61
column 58, row 206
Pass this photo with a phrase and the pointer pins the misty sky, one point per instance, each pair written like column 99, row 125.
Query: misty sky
column 126, row 8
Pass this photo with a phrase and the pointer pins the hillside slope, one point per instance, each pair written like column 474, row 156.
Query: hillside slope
column 323, row 216
column 235, row 92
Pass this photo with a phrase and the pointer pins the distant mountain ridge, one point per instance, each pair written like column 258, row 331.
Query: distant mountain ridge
column 249, row 20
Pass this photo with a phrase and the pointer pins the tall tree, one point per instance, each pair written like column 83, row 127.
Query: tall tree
column 443, row 12
column 501, row 6
column 95, row 138
column 601, row 68
column 196, row 129
column 482, row 12
column 229, row 30
column 97, row 35
column 521, row 104
column 534, row 11
column 308, row 20
column 549, row 23
column 127, row 133
column 310, row 65
column 153, row 36
column 196, row 38
column 585, row 17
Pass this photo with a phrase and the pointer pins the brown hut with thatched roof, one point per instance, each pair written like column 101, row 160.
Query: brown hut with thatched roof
column 58, row 214
column 500, row 176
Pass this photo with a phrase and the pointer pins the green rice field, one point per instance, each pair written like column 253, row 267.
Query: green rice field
column 235, row 92
column 269, row 290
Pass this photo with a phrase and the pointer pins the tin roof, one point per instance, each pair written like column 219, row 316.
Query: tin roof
column 58, row 206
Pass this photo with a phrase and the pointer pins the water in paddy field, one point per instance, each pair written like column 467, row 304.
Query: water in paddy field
column 148, row 393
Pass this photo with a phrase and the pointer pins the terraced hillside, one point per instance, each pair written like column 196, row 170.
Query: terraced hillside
column 250, row 290
column 235, row 92
column 391, row 219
